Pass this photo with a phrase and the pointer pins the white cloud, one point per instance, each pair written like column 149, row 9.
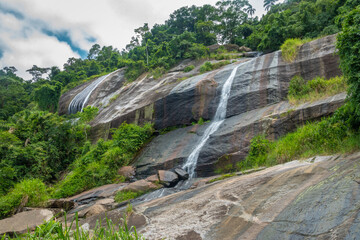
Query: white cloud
column 110, row 22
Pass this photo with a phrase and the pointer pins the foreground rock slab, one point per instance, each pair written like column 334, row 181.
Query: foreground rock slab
column 21, row 222
column 314, row 199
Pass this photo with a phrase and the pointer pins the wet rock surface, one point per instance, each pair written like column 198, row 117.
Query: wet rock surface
column 317, row 198
column 256, row 105
column 229, row 144
column 314, row 199
column 170, row 102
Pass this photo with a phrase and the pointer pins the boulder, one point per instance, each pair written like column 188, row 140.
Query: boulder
column 140, row 186
column 214, row 47
column 168, row 178
column 183, row 175
column 251, row 54
column 231, row 47
column 127, row 171
column 153, row 178
column 21, row 222
column 95, row 210
column 65, row 204
column 244, row 49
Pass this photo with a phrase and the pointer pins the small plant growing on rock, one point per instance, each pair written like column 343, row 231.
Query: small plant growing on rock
column 189, row 68
column 127, row 195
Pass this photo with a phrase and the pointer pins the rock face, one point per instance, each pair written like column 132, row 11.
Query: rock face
column 170, row 102
column 230, row 143
column 21, row 222
column 256, row 105
column 318, row 198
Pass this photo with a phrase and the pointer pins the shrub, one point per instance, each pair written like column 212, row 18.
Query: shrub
column 349, row 48
column 33, row 189
column 259, row 147
column 127, row 195
column 113, row 98
column 158, row 72
column 300, row 91
column 208, row 66
column 99, row 165
column 134, row 70
column 290, row 48
column 189, row 68
column 328, row 136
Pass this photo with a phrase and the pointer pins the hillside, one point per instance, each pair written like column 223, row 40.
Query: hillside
column 213, row 125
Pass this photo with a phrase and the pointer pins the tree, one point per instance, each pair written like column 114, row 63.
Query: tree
column 232, row 15
column 10, row 71
column 94, row 51
column 47, row 96
column 268, row 4
column 205, row 32
column 53, row 72
column 349, row 48
column 37, row 72
column 13, row 97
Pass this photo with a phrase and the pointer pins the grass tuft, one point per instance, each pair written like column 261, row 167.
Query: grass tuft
column 326, row 137
column 290, row 48
column 301, row 91
column 222, row 177
column 52, row 229
column 127, row 195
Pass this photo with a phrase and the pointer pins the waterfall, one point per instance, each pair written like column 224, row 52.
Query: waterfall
column 219, row 118
column 79, row 101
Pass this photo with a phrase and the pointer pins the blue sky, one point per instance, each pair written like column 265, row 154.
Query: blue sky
column 48, row 32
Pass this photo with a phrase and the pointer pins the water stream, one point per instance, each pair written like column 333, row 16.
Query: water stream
column 80, row 100
column 191, row 162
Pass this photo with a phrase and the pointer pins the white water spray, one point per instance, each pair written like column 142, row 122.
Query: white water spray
column 79, row 101
column 219, row 118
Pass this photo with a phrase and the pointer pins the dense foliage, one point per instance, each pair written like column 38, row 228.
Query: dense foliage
column 98, row 164
column 37, row 144
column 349, row 50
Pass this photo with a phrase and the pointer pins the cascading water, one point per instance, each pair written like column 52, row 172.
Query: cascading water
column 79, row 101
column 219, row 118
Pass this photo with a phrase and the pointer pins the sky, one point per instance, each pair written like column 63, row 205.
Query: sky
column 48, row 32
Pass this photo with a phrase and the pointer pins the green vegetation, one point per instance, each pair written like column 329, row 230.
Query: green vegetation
column 127, row 195
column 208, row 66
column 158, row 72
column 30, row 193
column 189, row 68
column 37, row 146
column 113, row 98
column 290, row 48
column 222, row 177
column 55, row 230
column 301, row 91
column 98, row 166
column 329, row 136
column 349, row 48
